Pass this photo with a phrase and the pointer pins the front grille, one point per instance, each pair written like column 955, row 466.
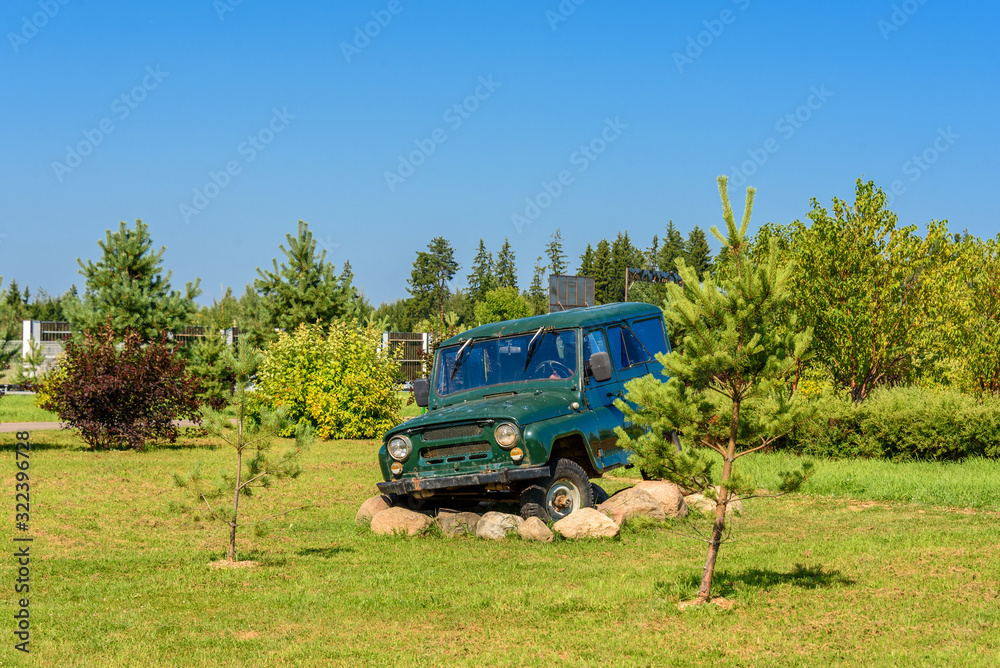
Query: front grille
column 444, row 433
column 455, row 453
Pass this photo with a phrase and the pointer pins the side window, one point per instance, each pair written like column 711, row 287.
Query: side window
column 626, row 350
column 651, row 333
column 593, row 342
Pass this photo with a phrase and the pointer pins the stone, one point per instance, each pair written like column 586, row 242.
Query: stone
column 670, row 496
column 535, row 529
column 455, row 524
column 630, row 503
column 706, row 506
column 371, row 508
column 400, row 520
column 494, row 525
column 587, row 523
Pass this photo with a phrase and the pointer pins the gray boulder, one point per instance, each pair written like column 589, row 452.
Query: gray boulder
column 371, row 508
column 587, row 523
column 455, row 524
column 494, row 525
column 706, row 506
column 630, row 503
column 534, row 529
column 669, row 495
column 400, row 520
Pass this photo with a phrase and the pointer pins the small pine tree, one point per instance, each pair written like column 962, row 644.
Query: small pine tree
column 252, row 440
column 537, row 293
column 127, row 287
column 481, row 278
column 602, row 273
column 728, row 391
column 671, row 250
column 697, row 252
column 557, row 259
column 207, row 364
column 506, row 269
column 587, row 262
column 303, row 289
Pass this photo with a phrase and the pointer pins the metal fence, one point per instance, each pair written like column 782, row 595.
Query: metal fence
column 408, row 348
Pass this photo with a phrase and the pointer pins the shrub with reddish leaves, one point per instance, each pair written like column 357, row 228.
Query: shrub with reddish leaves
column 122, row 396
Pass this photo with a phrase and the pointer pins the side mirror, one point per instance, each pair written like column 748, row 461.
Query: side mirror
column 422, row 392
column 600, row 367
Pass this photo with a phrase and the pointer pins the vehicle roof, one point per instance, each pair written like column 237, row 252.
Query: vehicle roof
column 574, row 317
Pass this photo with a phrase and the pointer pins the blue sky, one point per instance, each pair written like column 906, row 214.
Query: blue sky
column 222, row 123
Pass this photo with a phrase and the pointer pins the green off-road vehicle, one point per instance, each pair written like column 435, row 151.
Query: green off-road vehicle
column 523, row 411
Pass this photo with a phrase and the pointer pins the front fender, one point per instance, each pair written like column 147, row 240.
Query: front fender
column 539, row 436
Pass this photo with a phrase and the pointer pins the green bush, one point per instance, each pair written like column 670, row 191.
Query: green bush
column 904, row 423
column 339, row 380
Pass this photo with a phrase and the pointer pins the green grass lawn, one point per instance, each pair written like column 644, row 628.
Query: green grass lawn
column 21, row 408
column 121, row 576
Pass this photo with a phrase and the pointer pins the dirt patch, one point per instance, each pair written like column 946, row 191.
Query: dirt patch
column 721, row 602
column 223, row 563
column 245, row 635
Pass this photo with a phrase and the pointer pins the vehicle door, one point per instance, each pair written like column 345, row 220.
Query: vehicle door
column 654, row 339
column 630, row 360
column 600, row 398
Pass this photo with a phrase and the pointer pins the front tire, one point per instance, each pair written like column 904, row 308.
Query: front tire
column 567, row 489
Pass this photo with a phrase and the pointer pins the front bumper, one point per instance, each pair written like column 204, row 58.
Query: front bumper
column 504, row 476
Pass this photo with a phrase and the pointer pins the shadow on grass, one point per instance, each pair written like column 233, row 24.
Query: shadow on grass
column 324, row 552
column 727, row 584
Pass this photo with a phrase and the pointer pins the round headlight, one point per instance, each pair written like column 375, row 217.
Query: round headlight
column 399, row 448
column 506, row 434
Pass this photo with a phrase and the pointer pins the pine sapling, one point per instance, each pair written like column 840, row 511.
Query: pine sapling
column 252, row 439
column 729, row 390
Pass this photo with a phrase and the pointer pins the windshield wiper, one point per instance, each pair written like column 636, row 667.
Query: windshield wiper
column 531, row 349
column 459, row 358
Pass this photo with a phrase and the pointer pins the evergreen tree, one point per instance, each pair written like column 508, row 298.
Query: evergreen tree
column 697, row 253
column 10, row 330
column 538, row 292
column 13, row 298
column 127, row 287
column 206, row 362
column 428, row 285
column 672, row 248
column 303, row 289
column 506, row 270
column 557, row 259
column 727, row 390
column 587, row 262
column 602, row 273
column 251, row 440
column 650, row 259
column 481, row 278
column 623, row 256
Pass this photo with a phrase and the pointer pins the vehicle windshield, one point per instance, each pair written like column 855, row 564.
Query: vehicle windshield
column 490, row 362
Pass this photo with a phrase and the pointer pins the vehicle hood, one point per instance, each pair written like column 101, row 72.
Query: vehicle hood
column 523, row 408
